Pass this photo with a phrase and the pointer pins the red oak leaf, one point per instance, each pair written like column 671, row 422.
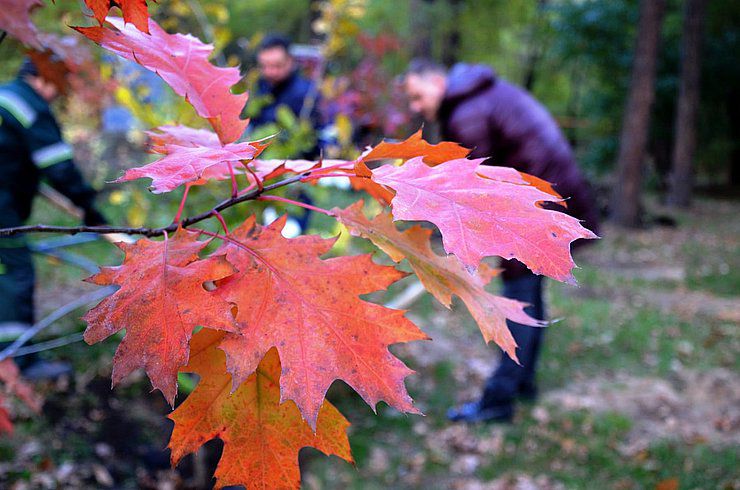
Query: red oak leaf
column 160, row 301
column 508, row 174
column 12, row 384
column 480, row 217
column 190, row 164
column 412, row 147
column 161, row 137
column 134, row 11
column 442, row 276
column 261, row 436
column 182, row 61
column 309, row 308
column 6, row 425
column 15, row 19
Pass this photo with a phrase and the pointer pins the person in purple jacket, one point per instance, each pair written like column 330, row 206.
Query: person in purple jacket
column 498, row 120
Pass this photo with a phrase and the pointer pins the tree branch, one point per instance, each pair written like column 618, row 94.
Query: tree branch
column 150, row 232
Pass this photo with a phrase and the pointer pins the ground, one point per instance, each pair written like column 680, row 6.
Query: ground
column 638, row 378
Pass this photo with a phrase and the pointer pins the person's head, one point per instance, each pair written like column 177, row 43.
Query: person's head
column 425, row 83
column 28, row 72
column 274, row 59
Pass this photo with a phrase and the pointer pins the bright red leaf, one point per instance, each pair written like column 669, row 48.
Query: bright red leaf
column 309, row 308
column 480, row 217
column 160, row 301
column 261, row 436
column 12, row 384
column 182, row 61
column 134, row 11
column 15, row 19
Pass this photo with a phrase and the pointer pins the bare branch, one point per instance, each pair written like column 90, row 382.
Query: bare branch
column 150, row 232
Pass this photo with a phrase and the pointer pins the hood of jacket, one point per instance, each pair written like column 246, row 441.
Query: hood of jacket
column 464, row 80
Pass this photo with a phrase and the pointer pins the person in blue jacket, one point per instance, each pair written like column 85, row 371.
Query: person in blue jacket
column 31, row 149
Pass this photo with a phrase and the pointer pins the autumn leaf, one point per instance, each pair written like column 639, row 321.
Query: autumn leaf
column 480, row 217
column 182, row 61
column 15, row 19
column 134, row 11
column 6, row 425
column 512, row 176
column 261, row 435
column 160, row 301
column 415, row 146
column 441, row 276
column 189, row 164
column 162, row 136
column 12, row 384
column 309, row 308
column 412, row 147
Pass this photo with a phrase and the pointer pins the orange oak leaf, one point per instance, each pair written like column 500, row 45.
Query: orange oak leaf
column 182, row 61
column 415, row 146
column 12, row 384
column 15, row 19
column 134, row 11
column 442, row 276
column 261, row 435
column 309, row 308
column 190, row 164
column 160, row 301
column 479, row 217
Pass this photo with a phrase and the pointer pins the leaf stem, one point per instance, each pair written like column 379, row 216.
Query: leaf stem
column 182, row 204
column 222, row 221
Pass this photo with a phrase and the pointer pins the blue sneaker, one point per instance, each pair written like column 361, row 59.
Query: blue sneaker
column 474, row 412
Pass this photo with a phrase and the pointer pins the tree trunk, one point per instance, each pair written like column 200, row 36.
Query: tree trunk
column 421, row 46
column 451, row 45
column 684, row 146
column 636, row 122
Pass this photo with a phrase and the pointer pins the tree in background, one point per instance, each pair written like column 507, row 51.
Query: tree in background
column 684, row 147
column 636, row 125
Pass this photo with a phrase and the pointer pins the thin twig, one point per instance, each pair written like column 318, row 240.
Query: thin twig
column 151, row 232
column 54, row 316
column 49, row 344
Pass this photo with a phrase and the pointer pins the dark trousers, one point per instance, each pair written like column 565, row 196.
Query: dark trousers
column 510, row 378
column 16, row 281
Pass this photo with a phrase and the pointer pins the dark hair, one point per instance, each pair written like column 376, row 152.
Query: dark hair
column 274, row 41
column 425, row 66
column 27, row 68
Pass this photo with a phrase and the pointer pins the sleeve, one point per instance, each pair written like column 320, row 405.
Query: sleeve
column 53, row 157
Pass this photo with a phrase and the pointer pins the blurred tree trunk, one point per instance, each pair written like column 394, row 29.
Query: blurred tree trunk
column 422, row 38
column 535, row 48
column 451, row 44
column 684, row 146
column 626, row 205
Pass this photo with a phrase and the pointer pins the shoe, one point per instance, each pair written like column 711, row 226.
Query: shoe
column 527, row 392
column 474, row 412
column 50, row 370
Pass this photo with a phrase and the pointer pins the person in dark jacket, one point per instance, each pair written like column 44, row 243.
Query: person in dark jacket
column 283, row 85
column 31, row 149
column 503, row 122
